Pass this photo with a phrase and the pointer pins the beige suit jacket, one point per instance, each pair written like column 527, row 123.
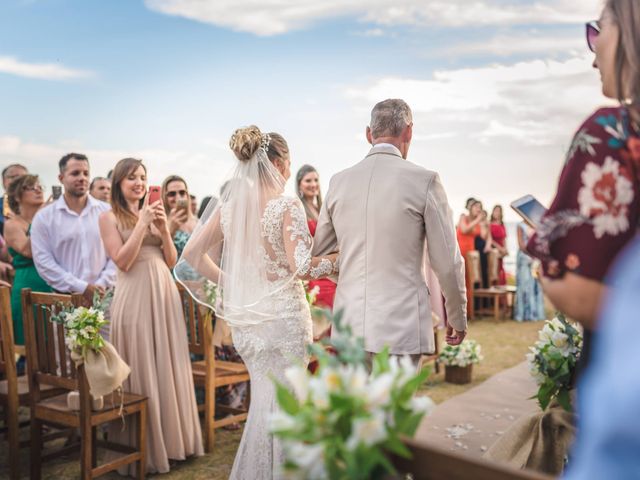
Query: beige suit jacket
column 378, row 214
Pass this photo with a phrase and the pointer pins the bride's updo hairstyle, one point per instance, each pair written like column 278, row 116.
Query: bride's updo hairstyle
column 246, row 141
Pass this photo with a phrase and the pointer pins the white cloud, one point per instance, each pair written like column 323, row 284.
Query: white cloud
column 42, row 71
column 272, row 17
column 495, row 132
column 528, row 43
column 530, row 101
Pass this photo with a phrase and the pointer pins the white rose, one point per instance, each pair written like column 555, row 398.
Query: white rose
column 319, row 393
column 559, row 340
column 355, row 380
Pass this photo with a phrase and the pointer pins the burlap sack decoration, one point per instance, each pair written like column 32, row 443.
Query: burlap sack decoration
column 105, row 370
column 538, row 442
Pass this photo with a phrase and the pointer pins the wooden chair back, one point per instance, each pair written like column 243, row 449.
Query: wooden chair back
column 474, row 271
column 7, row 350
column 48, row 359
column 10, row 401
column 198, row 320
column 493, row 260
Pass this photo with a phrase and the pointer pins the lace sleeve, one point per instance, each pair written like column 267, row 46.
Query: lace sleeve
column 298, row 244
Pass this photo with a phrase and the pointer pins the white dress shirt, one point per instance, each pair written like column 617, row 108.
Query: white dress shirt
column 67, row 248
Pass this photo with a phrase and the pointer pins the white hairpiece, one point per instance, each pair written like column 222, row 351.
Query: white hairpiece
column 266, row 141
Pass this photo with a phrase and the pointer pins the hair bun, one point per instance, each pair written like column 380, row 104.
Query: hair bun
column 245, row 142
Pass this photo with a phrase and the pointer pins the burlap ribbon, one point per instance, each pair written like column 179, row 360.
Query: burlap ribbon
column 105, row 370
column 538, row 442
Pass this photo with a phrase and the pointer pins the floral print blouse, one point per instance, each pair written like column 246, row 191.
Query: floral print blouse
column 596, row 210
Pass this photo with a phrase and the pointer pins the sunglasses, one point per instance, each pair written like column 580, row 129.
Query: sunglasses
column 33, row 188
column 182, row 193
column 592, row 30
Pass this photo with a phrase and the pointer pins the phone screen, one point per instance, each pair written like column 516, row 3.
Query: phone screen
column 530, row 209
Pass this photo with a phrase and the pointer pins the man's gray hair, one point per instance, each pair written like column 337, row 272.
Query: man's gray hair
column 389, row 118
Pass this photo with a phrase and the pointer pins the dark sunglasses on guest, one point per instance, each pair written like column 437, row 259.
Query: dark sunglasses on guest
column 182, row 193
column 593, row 30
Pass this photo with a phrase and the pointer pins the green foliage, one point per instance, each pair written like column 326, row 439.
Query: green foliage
column 553, row 359
column 342, row 422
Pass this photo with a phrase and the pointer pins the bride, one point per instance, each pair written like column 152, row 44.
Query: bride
column 250, row 252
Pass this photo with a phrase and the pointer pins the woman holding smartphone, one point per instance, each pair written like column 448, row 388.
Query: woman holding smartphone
column 596, row 209
column 176, row 201
column 147, row 322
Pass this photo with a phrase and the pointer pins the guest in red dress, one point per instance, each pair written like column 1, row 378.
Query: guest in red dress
column 499, row 241
column 467, row 230
column 308, row 190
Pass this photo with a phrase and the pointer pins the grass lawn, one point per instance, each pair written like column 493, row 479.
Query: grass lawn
column 503, row 343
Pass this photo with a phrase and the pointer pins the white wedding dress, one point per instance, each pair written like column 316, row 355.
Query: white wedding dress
column 269, row 347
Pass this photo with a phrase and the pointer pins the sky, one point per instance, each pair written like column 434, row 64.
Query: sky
column 497, row 87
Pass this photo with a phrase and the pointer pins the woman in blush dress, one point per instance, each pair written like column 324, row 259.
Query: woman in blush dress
column 147, row 323
column 499, row 241
column 308, row 191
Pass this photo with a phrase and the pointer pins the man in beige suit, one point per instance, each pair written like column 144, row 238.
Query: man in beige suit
column 379, row 214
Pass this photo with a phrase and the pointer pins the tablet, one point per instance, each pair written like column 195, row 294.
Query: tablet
column 530, row 209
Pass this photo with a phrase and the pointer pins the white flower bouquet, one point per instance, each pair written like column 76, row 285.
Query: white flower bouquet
column 82, row 325
column 467, row 353
column 553, row 359
column 341, row 422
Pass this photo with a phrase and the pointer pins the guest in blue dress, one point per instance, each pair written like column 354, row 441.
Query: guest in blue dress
column 529, row 296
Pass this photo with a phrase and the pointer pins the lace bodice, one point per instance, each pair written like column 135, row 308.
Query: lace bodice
column 287, row 242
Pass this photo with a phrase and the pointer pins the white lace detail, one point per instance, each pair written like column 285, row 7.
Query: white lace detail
column 270, row 347
column 324, row 268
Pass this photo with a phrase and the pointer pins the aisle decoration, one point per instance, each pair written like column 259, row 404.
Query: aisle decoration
column 553, row 359
column 103, row 366
column 342, row 422
column 458, row 361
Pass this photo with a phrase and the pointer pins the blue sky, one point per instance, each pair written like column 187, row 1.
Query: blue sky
column 497, row 87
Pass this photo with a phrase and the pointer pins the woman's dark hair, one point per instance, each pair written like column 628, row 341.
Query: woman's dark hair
column 493, row 210
column 205, row 203
column 302, row 172
column 14, row 192
column 119, row 206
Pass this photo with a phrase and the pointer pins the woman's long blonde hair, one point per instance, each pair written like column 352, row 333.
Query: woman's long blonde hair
column 125, row 167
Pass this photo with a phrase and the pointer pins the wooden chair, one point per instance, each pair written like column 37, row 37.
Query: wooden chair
column 430, row 462
column 498, row 295
column 209, row 373
column 11, row 396
column 48, row 363
column 14, row 390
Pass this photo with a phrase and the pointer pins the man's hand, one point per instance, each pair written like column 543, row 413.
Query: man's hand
column 4, row 284
column 89, row 293
column 454, row 337
column 5, row 268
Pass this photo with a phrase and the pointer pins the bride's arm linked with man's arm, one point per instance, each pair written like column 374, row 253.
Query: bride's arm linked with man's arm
column 298, row 245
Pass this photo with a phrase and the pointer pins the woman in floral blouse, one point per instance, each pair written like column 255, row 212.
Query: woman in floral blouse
column 596, row 210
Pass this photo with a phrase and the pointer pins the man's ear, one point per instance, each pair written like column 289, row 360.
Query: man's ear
column 369, row 137
column 408, row 133
column 60, row 176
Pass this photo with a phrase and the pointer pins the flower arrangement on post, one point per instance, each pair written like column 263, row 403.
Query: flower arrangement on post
column 458, row 361
column 342, row 422
column 104, row 369
column 553, row 359
column 82, row 325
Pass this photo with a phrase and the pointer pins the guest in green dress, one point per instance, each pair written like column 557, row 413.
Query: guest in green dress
column 26, row 197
